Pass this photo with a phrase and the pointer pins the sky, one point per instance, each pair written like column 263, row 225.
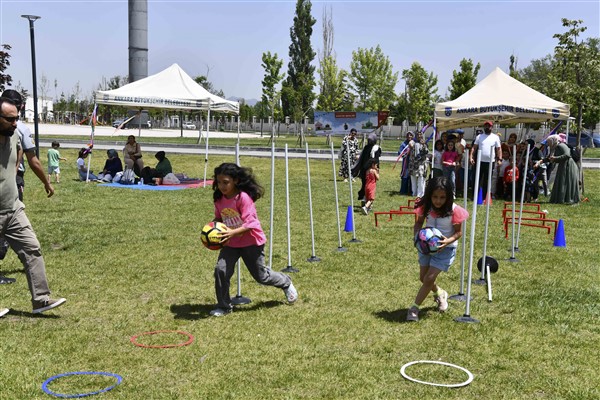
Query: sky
column 86, row 41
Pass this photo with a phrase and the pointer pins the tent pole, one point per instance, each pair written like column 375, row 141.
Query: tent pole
column 206, row 153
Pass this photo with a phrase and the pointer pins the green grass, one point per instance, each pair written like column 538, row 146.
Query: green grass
column 131, row 261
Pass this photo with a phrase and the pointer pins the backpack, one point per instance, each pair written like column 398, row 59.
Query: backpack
column 128, row 177
column 574, row 153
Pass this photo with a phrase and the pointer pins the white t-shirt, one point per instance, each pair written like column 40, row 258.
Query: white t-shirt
column 485, row 142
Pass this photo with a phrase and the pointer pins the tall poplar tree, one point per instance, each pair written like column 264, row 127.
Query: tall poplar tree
column 297, row 95
column 464, row 79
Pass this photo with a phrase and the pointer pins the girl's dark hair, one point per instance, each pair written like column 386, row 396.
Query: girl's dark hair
column 439, row 141
column 453, row 144
column 55, row 144
column 434, row 184
column 246, row 181
column 82, row 152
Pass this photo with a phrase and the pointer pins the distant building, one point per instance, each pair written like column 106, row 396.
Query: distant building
column 45, row 109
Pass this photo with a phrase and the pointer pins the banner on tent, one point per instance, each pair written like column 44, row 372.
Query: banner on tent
column 341, row 122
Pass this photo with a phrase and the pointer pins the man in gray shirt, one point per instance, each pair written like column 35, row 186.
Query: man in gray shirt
column 14, row 224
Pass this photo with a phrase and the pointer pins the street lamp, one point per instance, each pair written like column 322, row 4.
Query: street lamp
column 32, row 19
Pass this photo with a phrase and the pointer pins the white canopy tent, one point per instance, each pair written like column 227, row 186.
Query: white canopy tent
column 500, row 98
column 172, row 89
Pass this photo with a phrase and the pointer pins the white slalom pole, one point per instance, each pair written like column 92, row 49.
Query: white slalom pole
column 514, row 188
column 272, row 204
column 289, row 267
column 206, row 152
column 239, row 299
column 522, row 196
column 461, row 294
column 313, row 257
column 354, row 239
column 467, row 316
column 337, row 205
column 487, row 214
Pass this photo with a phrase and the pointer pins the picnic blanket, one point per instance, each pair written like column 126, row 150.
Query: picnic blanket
column 186, row 184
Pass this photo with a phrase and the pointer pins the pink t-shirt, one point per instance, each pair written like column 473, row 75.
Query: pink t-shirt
column 446, row 224
column 449, row 158
column 240, row 211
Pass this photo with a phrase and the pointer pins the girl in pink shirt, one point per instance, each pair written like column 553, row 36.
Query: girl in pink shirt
column 438, row 208
column 450, row 159
column 235, row 191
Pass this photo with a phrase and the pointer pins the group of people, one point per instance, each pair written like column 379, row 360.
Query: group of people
column 113, row 166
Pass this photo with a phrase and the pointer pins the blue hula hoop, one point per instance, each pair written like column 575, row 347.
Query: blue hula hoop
column 77, row 395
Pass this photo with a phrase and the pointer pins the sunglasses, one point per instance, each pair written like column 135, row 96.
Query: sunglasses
column 10, row 119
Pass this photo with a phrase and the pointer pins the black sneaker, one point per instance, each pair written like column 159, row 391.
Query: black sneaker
column 6, row 280
column 3, row 248
column 41, row 306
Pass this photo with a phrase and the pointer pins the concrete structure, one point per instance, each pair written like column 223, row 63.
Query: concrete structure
column 138, row 39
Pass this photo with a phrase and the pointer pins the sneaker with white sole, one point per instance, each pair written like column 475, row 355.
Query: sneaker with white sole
column 3, row 311
column 41, row 306
column 220, row 312
column 291, row 293
column 364, row 210
column 412, row 314
column 442, row 300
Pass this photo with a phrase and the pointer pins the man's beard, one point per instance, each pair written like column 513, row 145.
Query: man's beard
column 7, row 132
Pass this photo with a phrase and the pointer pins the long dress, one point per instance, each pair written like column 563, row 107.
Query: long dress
column 352, row 145
column 566, row 183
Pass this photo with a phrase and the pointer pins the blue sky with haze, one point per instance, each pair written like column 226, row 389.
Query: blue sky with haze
column 85, row 41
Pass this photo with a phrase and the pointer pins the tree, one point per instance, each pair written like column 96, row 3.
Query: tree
column 463, row 80
column 577, row 70
column 420, row 93
column 297, row 90
column 203, row 81
column 5, row 79
column 270, row 96
column 333, row 92
column 372, row 79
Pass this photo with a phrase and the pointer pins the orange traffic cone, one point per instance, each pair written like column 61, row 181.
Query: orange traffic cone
column 488, row 199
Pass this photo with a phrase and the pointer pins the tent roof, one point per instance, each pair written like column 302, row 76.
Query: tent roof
column 500, row 98
column 171, row 88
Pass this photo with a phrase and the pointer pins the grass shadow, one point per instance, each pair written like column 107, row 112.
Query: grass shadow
column 27, row 314
column 399, row 315
column 201, row 311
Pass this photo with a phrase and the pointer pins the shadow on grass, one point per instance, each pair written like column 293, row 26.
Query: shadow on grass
column 400, row 314
column 202, row 311
column 26, row 314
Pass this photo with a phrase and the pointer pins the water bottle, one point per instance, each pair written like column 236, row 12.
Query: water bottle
column 141, row 182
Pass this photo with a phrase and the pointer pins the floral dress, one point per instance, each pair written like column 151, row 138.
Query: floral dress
column 352, row 145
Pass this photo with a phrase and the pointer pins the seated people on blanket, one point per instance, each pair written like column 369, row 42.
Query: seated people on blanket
column 82, row 167
column 160, row 171
column 112, row 166
column 132, row 154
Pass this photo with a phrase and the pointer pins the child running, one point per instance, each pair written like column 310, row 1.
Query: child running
column 54, row 160
column 372, row 177
column 235, row 191
column 438, row 207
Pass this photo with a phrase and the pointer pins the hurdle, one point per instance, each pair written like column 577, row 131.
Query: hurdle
column 402, row 210
column 531, row 223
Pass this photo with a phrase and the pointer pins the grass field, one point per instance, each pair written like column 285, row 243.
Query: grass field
column 131, row 261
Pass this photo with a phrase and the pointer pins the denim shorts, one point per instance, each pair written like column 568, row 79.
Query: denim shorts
column 441, row 260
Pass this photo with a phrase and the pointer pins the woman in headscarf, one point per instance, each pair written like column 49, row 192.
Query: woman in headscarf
column 566, row 184
column 348, row 151
column 371, row 150
column 112, row 166
column 417, row 164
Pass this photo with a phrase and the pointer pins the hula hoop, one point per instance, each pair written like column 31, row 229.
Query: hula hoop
column 164, row 346
column 76, row 395
column 451, row 385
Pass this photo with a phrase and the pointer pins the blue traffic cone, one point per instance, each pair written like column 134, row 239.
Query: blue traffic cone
column 349, row 227
column 559, row 238
column 480, row 197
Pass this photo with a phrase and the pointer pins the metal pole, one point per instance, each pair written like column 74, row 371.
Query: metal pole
column 488, row 196
column 32, row 19
column 337, row 205
column 272, row 204
column 522, row 196
column 206, row 152
column 313, row 257
column 467, row 316
column 514, row 186
column 289, row 267
column 461, row 294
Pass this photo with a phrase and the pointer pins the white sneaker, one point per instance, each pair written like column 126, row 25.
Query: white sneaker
column 442, row 300
column 3, row 311
column 291, row 293
column 220, row 312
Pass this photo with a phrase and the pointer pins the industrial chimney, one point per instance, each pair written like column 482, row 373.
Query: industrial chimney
column 138, row 39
